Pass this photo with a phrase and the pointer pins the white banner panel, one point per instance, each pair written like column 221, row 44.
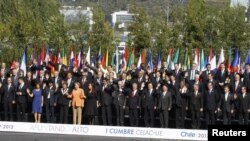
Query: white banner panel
column 110, row 131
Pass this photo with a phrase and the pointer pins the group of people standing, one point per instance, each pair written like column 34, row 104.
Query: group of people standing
column 93, row 91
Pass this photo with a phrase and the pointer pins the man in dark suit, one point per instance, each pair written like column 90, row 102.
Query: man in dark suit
column 226, row 105
column 196, row 106
column 134, row 105
column 246, row 76
column 2, row 78
column 177, row 72
column 9, row 99
column 56, row 79
column 221, row 76
column 148, row 103
column 119, row 100
column 204, row 74
column 164, row 106
column 106, row 102
column 70, row 81
column 21, row 101
column 192, row 72
column 210, row 104
column 236, row 90
column 50, row 102
column 84, row 81
column 244, row 109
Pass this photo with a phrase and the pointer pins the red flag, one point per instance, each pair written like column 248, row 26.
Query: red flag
column 143, row 56
column 126, row 53
column 42, row 53
column 104, row 61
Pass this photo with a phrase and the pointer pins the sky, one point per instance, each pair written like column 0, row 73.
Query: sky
column 241, row 2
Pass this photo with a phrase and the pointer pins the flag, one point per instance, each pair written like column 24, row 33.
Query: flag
column 58, row 57
column 210, row 56
column 159, row 60
column 213, row 63
column 202, row 61
column 169, row 56
column 150, row 61
column 47, row 56
column 117, row 67
column 176, row 56
column 23, row 63
column 65, row 62
column 71, row 60
column 42, row 55
column 103, row 62
column 196, row 59
column 229, row 60
column 88, row 56
column 139, row 62
column 184, row 63
column 126, row 53
column 236, row 61
column 143, row 56
column 107, row 58
column 79, row 58
column 13, row 64
column 188, row 63
column 247, row 60
column 131, row 59
column 100, row 54
column 221, row 59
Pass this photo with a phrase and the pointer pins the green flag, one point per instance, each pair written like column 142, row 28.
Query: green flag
column 176, row 56
column 202, row 61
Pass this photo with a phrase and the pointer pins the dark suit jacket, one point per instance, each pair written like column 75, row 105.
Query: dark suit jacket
column 134, row 100
column 23, row 97
column 106, row 95
column 52, row 98
column 211, row 102
column 9, row 95
column 62, row 98
column 165, row 102
column 221, row 77
column 236, row 90
column 149, row 100
column 196, row 102
column 189, row 74
column 244, row 102
column 119, row 97
column 226, row 106
column 204, row 75
column 246, row 81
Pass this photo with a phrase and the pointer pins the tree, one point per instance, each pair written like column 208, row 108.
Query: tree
column 140, row 29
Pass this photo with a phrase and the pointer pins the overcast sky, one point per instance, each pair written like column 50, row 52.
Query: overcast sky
column 241, row 2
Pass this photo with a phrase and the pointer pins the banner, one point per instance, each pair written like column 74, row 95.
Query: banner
column 110, row 131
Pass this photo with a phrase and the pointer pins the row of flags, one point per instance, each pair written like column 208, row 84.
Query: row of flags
column 125, row 60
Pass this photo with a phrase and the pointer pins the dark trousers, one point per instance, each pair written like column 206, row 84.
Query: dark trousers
column 243, row 118
column 8, row 109
column 21, row 107
column 106, row 115
column 64, row 112
column 210, row 117
column 133, row 117
column 164, row 116
column 119, row 115
column 50, row 113
column 196, row 121
column 148, row 117
column 226, row 117
column 180, row 114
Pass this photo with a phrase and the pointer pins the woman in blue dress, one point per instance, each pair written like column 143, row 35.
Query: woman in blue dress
column 37, row 102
